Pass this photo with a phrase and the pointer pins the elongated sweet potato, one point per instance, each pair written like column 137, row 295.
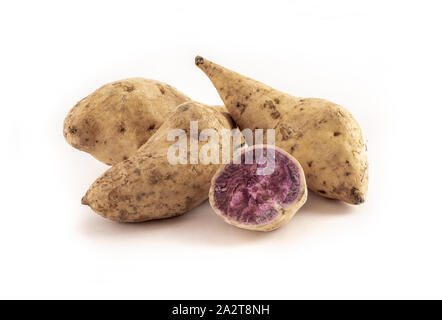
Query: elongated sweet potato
column 322, row 135
column 147, row 186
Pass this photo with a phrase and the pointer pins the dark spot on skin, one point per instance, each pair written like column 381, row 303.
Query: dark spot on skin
column 348, row 173
column 302, row 109
column 96, row 141
column 162, row 90
column 289, row 133
column 323, row 168
column 151, row 127
column 199, row 60
column 322, row 191
column 140, row 196
column 335, row 134
column 183, row 108
column 125, row 158
column 324, row 183
column 276, row 100
column 105, row 142
column 322, row 121
column 242, row 107
column 123, row 214
column 87, row 139
column 269, row 104
column 293, row 148
column 155, row 177
column 137, row 171
column 301, row 100
column 129, row 88
column 356, row 195
column 221, row 89
column 347, row 162
column 286, row 132
column 246, row 97
column 72, row 130
column 275, row 115
column 122, row 129
column 310, row 163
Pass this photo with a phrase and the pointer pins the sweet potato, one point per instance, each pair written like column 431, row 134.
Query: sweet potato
column 322, row 135
column 147, row 186
column 115, row 120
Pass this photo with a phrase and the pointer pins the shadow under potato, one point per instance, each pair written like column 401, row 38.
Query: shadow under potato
column 323, row 206
column 202, row 226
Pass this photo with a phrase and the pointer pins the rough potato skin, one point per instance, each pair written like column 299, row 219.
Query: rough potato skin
column 115, row 120
column 146, row 186
column 323, row 136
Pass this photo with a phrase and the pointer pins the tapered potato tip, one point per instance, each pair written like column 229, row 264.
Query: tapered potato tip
column 84, row 200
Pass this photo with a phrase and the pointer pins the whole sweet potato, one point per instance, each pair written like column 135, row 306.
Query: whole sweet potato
column 322, row 135
column 147, row 186
column 115, row 120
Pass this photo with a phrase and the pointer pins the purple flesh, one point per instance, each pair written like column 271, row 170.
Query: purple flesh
column 242, row 195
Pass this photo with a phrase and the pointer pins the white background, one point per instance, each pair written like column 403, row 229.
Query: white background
column 380, row 59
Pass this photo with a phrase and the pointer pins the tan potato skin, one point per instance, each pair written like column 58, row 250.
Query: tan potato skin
column 284, row 216
column 115, row 120
column 146, row 186
column 323, row 136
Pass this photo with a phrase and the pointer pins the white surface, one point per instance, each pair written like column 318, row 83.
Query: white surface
column 379, row 59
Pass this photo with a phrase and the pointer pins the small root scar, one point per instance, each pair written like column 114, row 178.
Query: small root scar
column 199, row 60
